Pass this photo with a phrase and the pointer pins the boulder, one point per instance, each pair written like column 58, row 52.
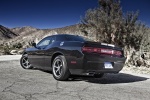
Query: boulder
column 147, row 63
column 20, row 51
column 13, row 52
column 139, row 62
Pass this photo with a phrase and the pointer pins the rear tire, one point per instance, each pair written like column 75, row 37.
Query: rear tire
column 24, row 62
column 60, row 69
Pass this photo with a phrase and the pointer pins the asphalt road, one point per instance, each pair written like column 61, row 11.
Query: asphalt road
column 20, row 84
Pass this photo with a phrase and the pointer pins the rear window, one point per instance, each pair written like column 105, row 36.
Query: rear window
column 77, row 38
column 61, row 38
column 74, row 38
column 87, row 39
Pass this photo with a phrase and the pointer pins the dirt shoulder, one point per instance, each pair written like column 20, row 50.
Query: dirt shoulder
column 137, row 70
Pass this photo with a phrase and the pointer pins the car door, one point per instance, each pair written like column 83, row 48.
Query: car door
column 37, row 55
column 49, row 50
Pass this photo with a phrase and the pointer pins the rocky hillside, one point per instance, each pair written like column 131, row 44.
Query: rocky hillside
column 29, row 34
column 6, row 34
column 21, row 37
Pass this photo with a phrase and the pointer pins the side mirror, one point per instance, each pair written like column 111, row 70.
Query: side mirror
column 34, row 44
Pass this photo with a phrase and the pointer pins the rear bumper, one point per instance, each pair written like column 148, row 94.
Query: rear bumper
column 96, row 64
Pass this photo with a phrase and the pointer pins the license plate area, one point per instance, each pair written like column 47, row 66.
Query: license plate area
column 108, row 65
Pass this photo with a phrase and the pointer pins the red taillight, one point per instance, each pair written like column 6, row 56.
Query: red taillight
column 118, row 53
column 90, row 49
column 101, row 51
column 107, row 51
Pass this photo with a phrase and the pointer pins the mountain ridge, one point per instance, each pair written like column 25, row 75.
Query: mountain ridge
column 26, row 35
column 6, row 33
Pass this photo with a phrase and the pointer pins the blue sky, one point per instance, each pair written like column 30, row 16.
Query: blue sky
column 58, row 13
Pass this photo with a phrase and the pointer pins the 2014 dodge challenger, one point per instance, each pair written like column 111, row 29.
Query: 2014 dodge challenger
column 67, row 55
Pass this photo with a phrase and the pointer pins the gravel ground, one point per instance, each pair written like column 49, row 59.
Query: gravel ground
column 20, row 84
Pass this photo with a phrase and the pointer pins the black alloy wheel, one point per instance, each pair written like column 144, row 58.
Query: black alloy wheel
column 25, row 62
column 60, row 69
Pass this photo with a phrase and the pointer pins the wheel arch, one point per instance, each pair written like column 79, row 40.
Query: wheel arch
column 24, row 53
column 54, row 56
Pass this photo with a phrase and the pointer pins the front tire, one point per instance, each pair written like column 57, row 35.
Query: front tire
column 25, row 62
column 60, row 69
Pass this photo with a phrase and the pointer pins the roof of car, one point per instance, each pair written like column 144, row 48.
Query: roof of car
column 63, row 34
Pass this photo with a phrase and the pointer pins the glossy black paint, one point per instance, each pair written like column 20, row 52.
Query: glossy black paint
column 42, row 56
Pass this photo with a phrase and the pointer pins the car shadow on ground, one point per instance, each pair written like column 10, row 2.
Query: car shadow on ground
column 106, row 79
column 110, row 79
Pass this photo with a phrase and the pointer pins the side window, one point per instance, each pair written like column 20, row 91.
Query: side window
column 53, row 39
column 46, row 41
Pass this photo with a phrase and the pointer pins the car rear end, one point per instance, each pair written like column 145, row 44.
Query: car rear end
column 102, row 58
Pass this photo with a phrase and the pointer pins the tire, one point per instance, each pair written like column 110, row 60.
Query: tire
column 99, row 75
column 24, row 62
column 60, row 69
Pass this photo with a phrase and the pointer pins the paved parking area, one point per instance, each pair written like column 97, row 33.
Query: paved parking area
column 10, row 57
column 20, row 84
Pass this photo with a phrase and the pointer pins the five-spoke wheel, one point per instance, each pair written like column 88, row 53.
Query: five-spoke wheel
column 57, row 67
column 60, row 69
column 25, row 62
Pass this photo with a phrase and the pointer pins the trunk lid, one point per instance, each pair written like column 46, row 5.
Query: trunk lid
column 102, row 48
column 101, row 45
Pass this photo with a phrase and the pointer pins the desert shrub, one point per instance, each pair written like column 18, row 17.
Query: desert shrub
column 107, row 23
column 17, row 45
column 110, row 25
column 6, row 50
column 145, row 43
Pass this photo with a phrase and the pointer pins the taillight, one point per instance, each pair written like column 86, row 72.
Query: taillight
column 118, row 53
column 107, row 51
column 101, row 51
column 90, row 49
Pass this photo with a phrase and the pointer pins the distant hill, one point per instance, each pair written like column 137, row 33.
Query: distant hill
column 6, row 34
column 25, row 35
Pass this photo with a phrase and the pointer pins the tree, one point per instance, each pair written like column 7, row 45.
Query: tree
column 145, row 43
column 110, row 25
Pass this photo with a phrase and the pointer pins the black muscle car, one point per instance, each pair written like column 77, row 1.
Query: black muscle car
column 67, row 55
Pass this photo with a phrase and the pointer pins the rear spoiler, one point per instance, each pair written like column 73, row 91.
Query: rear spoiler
column 111, row 45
